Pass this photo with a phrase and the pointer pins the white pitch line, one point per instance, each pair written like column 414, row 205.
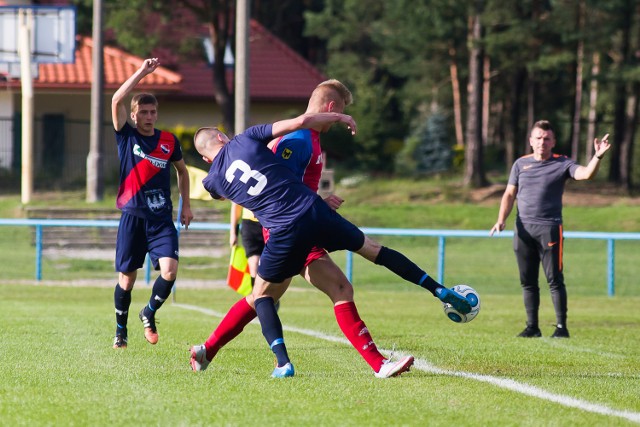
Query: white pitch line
column 425, row 366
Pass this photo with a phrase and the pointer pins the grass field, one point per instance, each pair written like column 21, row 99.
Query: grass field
column 59, row 368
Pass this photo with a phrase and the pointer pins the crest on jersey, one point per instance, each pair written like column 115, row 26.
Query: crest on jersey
column 165, row 148
column 286, row 153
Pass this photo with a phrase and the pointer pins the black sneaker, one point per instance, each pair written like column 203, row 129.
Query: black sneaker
column 120, row 341
column 530, row 332
column 560, row 332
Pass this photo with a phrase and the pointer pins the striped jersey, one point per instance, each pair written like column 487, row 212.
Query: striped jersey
column 145, row 179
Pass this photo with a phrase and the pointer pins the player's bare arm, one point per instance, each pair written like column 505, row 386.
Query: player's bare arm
column 600, row 147
column 183, row 186
column 311, row 120
column 506, row 205
column 118, row 109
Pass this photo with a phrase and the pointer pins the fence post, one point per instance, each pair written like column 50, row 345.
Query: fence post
column 38, row 252
column 611, row 274
column 349, row 266
column 441, row 249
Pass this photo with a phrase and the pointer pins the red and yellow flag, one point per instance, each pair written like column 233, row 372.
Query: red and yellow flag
column 239, row 278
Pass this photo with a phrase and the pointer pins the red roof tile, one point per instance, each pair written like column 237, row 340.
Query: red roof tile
column 118, row 66
column 277, row 72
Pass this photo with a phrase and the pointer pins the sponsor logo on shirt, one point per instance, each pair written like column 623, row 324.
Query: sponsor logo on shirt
column 159, row 163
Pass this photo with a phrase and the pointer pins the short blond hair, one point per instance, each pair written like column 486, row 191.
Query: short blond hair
column 332, row 90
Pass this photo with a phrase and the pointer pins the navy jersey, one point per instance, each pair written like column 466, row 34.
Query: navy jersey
column 246, row 172
column 540, row 187
column 145, row 179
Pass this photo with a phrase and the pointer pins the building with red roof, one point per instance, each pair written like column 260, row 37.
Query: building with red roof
column 279, row 86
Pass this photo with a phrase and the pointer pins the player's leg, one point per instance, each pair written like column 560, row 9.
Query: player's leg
column 527, row 255
column 253, row 243
column 552, row 250
column 336, row 233
column 325, row 275
column 232, row 324
column 409, row 271
column 265, row 294
column 163, row 252
column 283, row 257
column 130, row 253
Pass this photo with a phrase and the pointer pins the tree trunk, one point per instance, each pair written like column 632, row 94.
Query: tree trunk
column 457, row 105
column 474, row 171
column 512, row 129
column 620, row 98
column 626, row 150
column 577, row 106
column 486, row 98
column 593, row 100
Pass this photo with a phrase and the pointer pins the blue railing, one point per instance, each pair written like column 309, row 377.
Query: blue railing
column 442, row 235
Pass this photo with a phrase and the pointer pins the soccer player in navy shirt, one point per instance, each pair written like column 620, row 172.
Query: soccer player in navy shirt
column 144, row 197
column 245, row 171
column 301, row 152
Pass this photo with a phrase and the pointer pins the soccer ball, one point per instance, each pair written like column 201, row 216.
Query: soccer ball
column 474, row 298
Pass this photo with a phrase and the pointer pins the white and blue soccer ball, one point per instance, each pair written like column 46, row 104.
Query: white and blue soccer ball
column 474, row 299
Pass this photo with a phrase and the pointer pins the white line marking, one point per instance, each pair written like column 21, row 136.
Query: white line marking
column 425, row 366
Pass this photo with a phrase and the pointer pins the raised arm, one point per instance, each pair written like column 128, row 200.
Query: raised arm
column 312, row 120
column 118, row 109
column 589, row 171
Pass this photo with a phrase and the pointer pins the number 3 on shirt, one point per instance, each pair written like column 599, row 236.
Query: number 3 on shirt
column 247, row 173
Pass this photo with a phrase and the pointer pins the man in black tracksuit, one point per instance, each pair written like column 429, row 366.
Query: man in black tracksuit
column 537, row 180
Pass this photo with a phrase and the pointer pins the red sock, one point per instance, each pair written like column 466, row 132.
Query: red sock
column 357, row 333
column 238, row 316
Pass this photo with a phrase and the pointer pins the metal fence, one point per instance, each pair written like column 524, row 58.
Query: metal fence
column 60, row 152
column 442, row 236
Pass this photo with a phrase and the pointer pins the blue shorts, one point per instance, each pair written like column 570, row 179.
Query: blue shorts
column 287, row 249
column 137, row 236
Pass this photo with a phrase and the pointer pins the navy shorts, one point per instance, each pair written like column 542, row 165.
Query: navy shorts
column 137, row 236
column 252, row 239
column 286, row 250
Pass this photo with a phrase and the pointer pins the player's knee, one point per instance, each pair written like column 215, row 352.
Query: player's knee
column 169, row 275
column 126, row 281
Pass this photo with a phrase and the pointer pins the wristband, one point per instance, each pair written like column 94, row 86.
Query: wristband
column 598, row 157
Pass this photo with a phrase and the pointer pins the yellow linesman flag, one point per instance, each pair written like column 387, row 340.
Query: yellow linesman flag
column 196, row 189
column 239, row 278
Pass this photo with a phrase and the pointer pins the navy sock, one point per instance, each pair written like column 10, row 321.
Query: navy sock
column 122, row 301
column 159, row 294
column 405, row 268
column 272, row 328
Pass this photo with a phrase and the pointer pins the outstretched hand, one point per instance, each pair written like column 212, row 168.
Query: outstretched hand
column 149, row 66
column 601, row 147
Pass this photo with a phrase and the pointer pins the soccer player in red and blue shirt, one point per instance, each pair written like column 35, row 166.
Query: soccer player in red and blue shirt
column 144, row 197
column 245, row 171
